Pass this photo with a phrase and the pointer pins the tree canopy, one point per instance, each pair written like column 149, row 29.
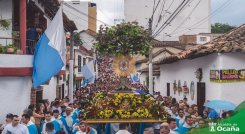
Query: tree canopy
column 221, row 28
column 123, row 39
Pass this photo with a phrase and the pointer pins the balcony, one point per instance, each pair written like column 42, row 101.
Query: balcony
column 12, row 46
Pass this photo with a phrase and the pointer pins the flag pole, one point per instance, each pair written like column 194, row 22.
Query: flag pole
column 71, row 69
column 71, row 65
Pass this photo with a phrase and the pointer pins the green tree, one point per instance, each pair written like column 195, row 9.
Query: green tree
column 221, row 28
column 76, row 40
column 123, row 39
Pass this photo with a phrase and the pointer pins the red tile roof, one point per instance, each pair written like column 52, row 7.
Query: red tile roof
column 233, row 41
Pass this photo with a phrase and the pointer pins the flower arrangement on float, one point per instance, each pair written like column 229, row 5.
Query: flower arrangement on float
column 125, row 106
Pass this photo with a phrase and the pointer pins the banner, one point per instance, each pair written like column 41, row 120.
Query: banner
column 228, row 75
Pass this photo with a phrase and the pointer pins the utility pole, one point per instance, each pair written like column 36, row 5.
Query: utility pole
column 150, row 61
column 71, row 69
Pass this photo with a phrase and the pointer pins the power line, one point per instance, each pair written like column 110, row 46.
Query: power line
column 182, row 7
column 154, row 9
column 186, row 17
column 104, row 13
column 169, row 18
column 52, row 13
column 160, row 14
column 163, row 15
column 80, row 18
column 64, row 23
column 224, row 5
column 85, row 14
column 172, row 17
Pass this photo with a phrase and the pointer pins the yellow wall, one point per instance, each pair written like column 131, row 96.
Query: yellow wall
column 92, row 13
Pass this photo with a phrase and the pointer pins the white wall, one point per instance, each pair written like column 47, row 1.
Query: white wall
column 141, row 11
column 157, row 83
column 15, row 95
column 185, row 71
column 6, row 13
column 208, row 38
column 14, row 60
column 233, row 91
column 49, row 91
column 78, row 53
column 87, row 40
column 143, row 77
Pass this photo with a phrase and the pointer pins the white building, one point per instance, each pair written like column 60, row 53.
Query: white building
column 160, row 49
column 222, row 64
column 186, row 22
column 198, row 39
column 16, row 89
column 81, row 57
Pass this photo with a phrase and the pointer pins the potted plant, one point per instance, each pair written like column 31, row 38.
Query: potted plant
column 11, row 49
column 4, row 24
column 2, row 49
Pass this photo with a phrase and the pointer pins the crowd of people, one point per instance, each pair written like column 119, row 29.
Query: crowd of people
column 64, row 117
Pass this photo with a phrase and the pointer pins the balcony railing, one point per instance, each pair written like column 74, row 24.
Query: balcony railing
column 15, row 43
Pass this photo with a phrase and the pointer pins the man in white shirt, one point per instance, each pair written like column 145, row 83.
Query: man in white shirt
column 148, row 131
column 180, row 119
column 172, row 126
column 15, row 127
column 123, row 129
column 174, row 113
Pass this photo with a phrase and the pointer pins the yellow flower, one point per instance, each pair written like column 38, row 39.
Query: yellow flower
column 128, row 113
column 101, row 112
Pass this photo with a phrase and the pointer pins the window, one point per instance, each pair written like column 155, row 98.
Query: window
column 84, row 61
column 79, row 63
column 203, row 39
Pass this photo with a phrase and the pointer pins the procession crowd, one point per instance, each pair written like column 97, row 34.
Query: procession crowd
column 62, row 116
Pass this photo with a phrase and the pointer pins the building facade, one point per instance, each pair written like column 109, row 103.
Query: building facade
column 16, row 86
column 221, row 62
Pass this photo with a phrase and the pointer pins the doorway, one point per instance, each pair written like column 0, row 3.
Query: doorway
column 39, row 96
column 168, row 89
column 201, row 96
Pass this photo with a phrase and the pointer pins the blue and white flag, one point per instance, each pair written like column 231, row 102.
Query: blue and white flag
column 135, row 78
column 84, row 83
column 50, row 52
column 88, row 73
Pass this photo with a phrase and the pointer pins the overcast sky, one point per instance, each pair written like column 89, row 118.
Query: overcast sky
column 232, row 11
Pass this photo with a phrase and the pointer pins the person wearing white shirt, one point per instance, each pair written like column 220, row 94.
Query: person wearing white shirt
column 15, row 127
column 9, row 118
column 149, row 130
column 172, row 126
column 180, row 119
column 123, row 129
column 174, row 113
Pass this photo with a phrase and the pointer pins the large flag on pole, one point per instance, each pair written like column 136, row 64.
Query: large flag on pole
column 88, row 73
column 50, row 52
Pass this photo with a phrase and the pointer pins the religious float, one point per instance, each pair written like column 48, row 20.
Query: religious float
column 123, row 104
